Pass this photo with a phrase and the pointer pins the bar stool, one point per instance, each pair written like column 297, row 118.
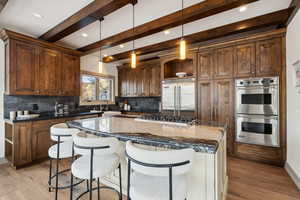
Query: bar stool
column 62, row 135
column 98, row 159
column 157, row 175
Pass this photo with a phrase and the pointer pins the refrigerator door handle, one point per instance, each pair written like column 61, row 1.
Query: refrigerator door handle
column 175, row 104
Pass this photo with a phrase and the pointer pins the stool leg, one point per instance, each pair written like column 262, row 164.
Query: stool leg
column 57, row 164
column 120, row 181
column 98, row 185
column 50, row 174
column 71, row 188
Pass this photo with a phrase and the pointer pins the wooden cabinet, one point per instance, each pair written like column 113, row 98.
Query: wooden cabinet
column 244, row 60
column 268, row 57
column 205, row 65
column 22, row 141
column 70, row 75
column 205, row 100
column 223, row 63
column 142, row 81
column 34, row 67
column 155, row 85
column 23, row 58
column 49, row 72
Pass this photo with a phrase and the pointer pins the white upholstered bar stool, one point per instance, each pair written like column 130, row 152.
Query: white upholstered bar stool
column 98, row 159
column 63, row 136
column 157, row 175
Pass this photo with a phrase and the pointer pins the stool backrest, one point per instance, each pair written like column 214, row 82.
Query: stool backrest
column 63, row 132
column 101, row 145
column 180, row 160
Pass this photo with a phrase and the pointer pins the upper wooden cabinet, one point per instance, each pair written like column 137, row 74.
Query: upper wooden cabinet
column 34, row 67
column 268, row 57
column 145, row 80
column 223, row 66
column 205, row 65
column 244, row 60
column 70, row 84
column 49, row 72
column 21, row 76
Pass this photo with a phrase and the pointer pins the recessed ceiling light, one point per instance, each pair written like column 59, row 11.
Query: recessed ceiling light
column 167, row 32
column 84, row 35
column 37, row 15
column 243, row 8
column 121, row 45
column 105, row 55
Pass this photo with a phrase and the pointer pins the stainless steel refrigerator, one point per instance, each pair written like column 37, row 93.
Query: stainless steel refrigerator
column 178, row 95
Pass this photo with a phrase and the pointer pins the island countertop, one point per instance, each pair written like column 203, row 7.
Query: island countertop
column 203, row 137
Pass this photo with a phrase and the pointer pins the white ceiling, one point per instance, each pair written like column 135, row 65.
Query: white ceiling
column 55, row 11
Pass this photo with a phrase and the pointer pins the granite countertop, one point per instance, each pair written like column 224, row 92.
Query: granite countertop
column 202, row 138
column 51, row 115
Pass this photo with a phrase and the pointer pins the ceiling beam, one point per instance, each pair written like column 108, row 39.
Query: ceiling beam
column 271, row 19
column 198, row 11
column 87, row 15
column 296, row 5
column 2, row 4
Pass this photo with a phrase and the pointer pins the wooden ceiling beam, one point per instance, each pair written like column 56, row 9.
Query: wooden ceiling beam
column 198, row 11
column 271, row 19
column 2, row 4
column 84, row 17
column 296, row 5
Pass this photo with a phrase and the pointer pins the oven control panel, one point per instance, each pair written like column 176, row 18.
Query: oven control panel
column 266, row 81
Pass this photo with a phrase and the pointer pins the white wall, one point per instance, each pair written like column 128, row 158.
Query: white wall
column 293, row 98
column 90, row 63
column 1, row 98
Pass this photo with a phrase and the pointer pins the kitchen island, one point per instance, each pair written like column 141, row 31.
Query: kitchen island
column 208, row 178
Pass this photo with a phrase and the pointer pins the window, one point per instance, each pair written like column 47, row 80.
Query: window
column 97, row 89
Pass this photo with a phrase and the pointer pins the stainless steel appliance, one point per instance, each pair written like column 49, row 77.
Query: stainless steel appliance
column 178, row 95
column 257, row 111
column 258, row 129
column 257, row 96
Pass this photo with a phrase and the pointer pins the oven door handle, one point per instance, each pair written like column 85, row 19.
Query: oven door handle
column 256, row 116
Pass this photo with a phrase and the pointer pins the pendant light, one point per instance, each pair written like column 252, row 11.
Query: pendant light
column 100, row 56
column 182, row 44
column 133, row 54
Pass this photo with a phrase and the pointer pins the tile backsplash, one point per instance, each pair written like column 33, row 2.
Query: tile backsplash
column 36, row 104
column 142, row 104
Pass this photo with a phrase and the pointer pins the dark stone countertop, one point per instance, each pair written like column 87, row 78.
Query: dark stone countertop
column 201, row 137
column 51, row 115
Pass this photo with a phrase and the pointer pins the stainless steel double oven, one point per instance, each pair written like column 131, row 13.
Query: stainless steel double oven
column 257, row 111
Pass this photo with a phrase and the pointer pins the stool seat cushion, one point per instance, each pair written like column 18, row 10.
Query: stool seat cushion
column 102, row 166
column 144, row 187
column 65, row 150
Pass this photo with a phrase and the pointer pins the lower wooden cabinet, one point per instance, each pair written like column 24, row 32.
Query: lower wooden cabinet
column 27, row 142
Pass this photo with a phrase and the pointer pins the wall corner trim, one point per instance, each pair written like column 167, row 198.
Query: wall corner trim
column 292, row 174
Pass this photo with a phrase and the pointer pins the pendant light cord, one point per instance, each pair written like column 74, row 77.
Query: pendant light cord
column 100, row 20
column 133, row 23
column 182, row 32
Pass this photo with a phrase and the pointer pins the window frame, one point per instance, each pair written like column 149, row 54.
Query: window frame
column 98, row 75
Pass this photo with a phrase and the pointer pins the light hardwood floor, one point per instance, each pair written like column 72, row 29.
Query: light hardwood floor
column 247, row 181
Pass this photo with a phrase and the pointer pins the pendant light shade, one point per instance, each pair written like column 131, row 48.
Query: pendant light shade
column 133, row 54
column 133, row 60
column 182, row 49
column 100, row 66
column 182, row 44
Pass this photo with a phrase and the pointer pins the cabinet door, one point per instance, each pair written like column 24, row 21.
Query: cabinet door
column 155, row 87
column 23, row 68
column 146, row 81
column 205, row 100
column 223, row 63
column 49, row 72
column 268, row 57
column 70, row 75
column 223, row 107
column 40, row 139
column 244, row 60
column 205, row 65
column 22, row 143
column 139, row 82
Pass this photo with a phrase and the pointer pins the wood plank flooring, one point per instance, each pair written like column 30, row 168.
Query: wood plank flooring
column 247, row 181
